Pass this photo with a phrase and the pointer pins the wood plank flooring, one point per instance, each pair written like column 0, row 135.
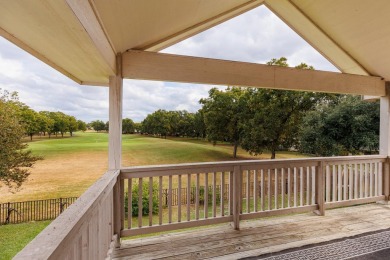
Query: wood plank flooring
column 258, row 237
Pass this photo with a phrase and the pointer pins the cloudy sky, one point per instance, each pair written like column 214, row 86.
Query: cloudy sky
column 256, row 36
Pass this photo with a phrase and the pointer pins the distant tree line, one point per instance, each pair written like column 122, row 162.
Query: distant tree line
column 261, row 120
column 46, row 122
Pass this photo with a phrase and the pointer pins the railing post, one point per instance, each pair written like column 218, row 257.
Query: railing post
column 320, row 185
column 117, row 211
column 386, row 180
column 237, row 197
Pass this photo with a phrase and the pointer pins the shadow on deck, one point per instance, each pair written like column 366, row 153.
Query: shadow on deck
column 258, row 237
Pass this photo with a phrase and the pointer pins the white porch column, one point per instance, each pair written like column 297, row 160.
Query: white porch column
column 384, row 138
column 384, row 130
column 115, row 117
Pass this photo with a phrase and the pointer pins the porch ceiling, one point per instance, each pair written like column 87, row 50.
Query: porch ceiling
column 80, row 38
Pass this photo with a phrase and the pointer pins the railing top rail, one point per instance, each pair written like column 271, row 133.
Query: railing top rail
column 50, row 239
column 228, row 165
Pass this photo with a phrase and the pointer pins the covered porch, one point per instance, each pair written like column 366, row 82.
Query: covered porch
column 101, row 43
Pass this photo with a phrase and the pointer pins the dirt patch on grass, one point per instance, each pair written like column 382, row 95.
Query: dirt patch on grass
column 60, row 177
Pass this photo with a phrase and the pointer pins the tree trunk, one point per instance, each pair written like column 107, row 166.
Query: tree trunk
column 71, row 133
column 235, row 149
column 273, row 155
column 31, row 137
column 62, row 134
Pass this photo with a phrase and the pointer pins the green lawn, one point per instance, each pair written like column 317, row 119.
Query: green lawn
column 16, row 236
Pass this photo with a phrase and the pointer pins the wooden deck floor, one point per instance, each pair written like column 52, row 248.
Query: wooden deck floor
column 259, row 236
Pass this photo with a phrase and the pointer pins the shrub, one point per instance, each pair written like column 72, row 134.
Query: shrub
column 145, row 199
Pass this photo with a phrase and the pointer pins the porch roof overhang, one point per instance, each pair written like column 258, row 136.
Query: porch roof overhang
column 81, row 38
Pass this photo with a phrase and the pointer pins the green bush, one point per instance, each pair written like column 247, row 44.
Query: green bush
column 145, row 199
column 210, row 195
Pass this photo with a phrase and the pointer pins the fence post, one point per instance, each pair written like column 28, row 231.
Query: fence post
column 320, row 184
column 237, row 197
column 386, row 180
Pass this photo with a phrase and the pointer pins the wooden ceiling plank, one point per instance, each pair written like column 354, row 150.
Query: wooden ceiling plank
column 36, row 54
column 315, row 36
column 88, row 19
column 177, row 68
column 202, row 26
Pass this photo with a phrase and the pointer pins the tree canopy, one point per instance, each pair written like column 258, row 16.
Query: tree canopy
column 15, row 160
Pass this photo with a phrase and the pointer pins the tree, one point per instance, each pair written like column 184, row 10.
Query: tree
column 127, row 126
column 98, row 125
column 46, row 124
column 15, row 160
column 72, row 124
column 223, row 116
column 30, row 121
column 350, row 126
column 274, row 116
column 81, row 125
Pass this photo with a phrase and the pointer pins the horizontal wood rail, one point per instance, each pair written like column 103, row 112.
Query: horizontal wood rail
column 83, row 231
column 241, row 190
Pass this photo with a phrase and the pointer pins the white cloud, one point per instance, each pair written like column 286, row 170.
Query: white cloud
column 256, row 36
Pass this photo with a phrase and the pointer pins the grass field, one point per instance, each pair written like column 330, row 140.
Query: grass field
column 71, row 165
column 14, row 237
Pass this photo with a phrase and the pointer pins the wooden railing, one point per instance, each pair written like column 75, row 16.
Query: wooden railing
column 241, row 190
column 130, row 202
column 85, row 230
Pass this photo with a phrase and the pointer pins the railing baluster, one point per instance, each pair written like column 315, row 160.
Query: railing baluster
column 269, row 189
column 262, row 187
column 222, row 204
column 179, row 199
column 197, row 198
column 255, row 191
column 231, row 194
column 350, row 182
column 289, row 187
column 188, row 197
column 328, row 183
column 276, row 189
column 345, row 184
column 301, row 185
column 160, row 195
column 366, row 173
column 140, row 202
column 247, row 191
column 214, row 195
column 295, row 187
column 339, row 183
column 170, row 199
column 361, row 176
column 283, row 183
column 308, row 185
column 313, row 183
column 150, row 201
column 380, row 181
column 356, row 179
column 206, row 196
column 129, row 202
column 376, row 179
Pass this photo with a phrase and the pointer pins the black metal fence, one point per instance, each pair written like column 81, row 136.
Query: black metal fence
column 17, row 212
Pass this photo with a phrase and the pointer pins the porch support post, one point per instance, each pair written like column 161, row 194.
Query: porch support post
column 115, row 116
column 115, row 143
column 384, row 138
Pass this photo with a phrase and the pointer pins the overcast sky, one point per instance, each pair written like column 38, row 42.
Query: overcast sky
column 256, row 36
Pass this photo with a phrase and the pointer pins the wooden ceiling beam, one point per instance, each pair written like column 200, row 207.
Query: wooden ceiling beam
column 89, row 20
column 177, row 68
